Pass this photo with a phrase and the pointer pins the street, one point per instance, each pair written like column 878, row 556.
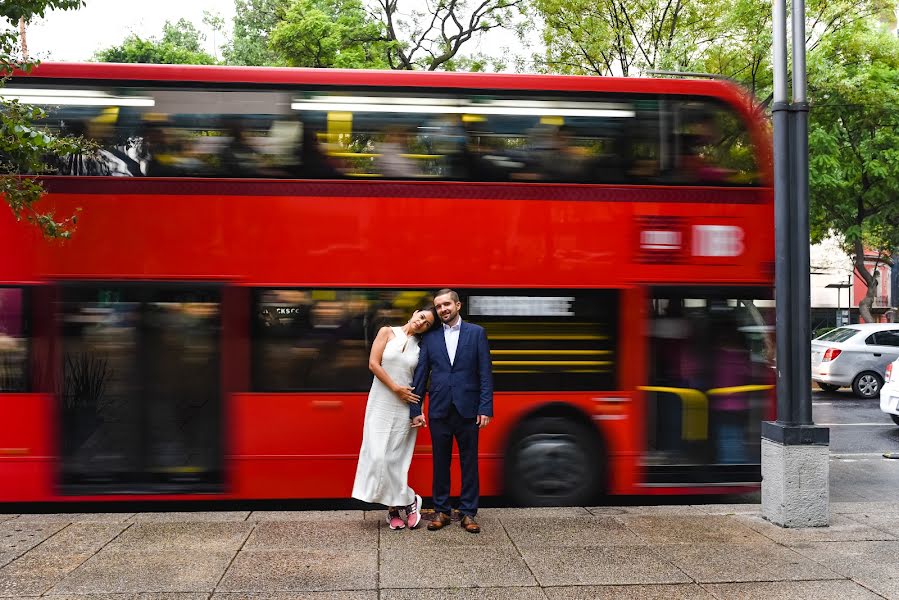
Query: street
column 859, row 436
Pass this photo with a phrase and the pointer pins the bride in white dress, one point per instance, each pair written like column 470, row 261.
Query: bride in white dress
column 388, row 438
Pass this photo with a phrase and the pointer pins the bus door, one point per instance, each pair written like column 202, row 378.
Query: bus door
column 711, row 381
column 140, row 401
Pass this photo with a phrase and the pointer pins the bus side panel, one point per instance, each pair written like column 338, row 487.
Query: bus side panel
column 26, row 460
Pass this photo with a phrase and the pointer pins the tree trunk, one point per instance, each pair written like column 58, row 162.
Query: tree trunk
column 871, row 280
column 22, row 38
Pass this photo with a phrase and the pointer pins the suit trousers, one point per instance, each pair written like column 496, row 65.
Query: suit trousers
column 465, row 431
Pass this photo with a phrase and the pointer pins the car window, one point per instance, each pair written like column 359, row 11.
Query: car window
column 887, row 338
column 840, row 334
column 871, row 340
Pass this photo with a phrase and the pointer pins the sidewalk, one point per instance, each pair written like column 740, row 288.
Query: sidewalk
column 660, row 552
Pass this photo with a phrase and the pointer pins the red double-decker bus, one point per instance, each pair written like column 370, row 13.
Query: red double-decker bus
column 244, row 232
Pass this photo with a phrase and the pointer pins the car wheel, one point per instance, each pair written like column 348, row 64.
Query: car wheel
column 827, row 387
column 867, row 385
column 895, row 419
column 553, row 461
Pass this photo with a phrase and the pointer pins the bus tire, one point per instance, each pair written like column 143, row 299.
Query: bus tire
column 554, row 461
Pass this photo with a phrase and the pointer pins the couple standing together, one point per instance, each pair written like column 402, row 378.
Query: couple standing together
column 451, row 361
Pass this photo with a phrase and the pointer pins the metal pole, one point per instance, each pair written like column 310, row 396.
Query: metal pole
column 802, row 378
column 782, row 283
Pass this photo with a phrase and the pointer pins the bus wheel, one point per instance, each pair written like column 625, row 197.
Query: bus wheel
column 553, row 461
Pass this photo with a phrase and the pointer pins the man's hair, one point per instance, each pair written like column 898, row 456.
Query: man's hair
column 446, row 291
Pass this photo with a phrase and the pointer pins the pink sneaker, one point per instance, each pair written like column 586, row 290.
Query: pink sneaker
column 394, row 521
column 413, row 513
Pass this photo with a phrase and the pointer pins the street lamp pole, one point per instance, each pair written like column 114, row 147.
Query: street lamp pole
column 792, row 443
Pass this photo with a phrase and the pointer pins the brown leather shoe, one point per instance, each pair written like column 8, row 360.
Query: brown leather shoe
column 440, row 521
column 469, row 525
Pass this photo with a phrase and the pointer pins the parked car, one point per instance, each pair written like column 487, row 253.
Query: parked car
column 856, row 356
column 889, row 393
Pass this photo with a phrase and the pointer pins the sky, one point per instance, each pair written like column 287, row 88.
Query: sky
column 76, row 35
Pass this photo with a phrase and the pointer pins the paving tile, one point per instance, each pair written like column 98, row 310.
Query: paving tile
column 309, row 515
column 855, row 559
column 842, row 528
column 493, row 535
column 492, row 593
column 142, row 596
column 730, row 509
column 75, row 517
column 201, row 536
column 119, row 572
column 790, row 590
column 300, row 570
column 353, row 535
column 35, row 574
column 716, row 563
column 7, row 516
column 688, row 591
column 16, row 538
column 883, row 522
column 454, row 567
column 606, row 511
column 600, row 566
column 873, row 508
column 688, row 529
column 678, row 509
column 82, row 537
column 577, row 532
column 886, row 587
column 189, row 517
column 508, row 514
column 343, row 595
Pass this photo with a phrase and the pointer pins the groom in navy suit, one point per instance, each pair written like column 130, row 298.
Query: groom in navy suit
column 457, row 358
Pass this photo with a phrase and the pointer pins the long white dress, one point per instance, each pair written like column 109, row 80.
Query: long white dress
column 387, row 439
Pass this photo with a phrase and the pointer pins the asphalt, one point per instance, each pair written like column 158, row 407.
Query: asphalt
column 632, row 552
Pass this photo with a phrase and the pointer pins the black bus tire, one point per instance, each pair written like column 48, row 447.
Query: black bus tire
column 554, row 461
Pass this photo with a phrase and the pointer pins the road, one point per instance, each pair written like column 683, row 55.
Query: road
column 859, row 436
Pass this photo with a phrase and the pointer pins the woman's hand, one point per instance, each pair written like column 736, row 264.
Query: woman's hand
column 406, row 395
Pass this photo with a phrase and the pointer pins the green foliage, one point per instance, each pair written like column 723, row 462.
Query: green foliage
column 23, row 146
column 180, row 44
column 253, row 23
column 330, row 33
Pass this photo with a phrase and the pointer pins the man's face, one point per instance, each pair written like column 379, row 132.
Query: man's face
column 447, row 308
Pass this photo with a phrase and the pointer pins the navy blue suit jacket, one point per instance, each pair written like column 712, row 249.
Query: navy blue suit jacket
column 467, row 383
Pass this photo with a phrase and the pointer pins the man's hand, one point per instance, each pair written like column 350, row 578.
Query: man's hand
column 418, row 421
column 483, row 421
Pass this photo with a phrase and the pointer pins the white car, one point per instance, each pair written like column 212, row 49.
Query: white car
column 889, row 393
column 856, row 356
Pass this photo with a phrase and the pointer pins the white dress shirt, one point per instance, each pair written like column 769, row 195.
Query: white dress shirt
column 451, row 337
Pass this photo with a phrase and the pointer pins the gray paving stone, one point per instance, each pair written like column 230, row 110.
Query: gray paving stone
column 493, row 535
column 886, row 587
column 688, row 529
column 202, row 537
column 508, row 514
column 320, row 516
column 606, row 511
column 717, row 563
column 17, row 538
column 454, row 567
column 189, row 517
column 82, row 537
column 855, row 559
column 300, row 570
column 119, row 572
column 7, row 516
column 873, row 508
column 664, row 510
column 342, row 595
column 883, row 522
column 493, row 593
column 578, row 532
column 75, row 517
column 689, row 591
column 790, row 590
column 34, row 574
column 730, row 509
column 143, row 596
column 842, row 528
column 353, row 534
column 600, row 566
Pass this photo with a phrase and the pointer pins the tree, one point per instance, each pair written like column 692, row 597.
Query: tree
column 254, row 21
column 23, row 146
column 854, row 149
column 330, row 33
column 181, row 44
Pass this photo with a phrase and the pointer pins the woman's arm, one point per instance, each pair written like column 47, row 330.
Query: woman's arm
column 404, row 392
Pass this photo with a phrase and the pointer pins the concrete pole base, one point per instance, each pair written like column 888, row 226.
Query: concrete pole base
column 795, row 484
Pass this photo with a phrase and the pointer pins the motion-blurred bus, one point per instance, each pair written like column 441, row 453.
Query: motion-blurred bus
column 244, row 232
